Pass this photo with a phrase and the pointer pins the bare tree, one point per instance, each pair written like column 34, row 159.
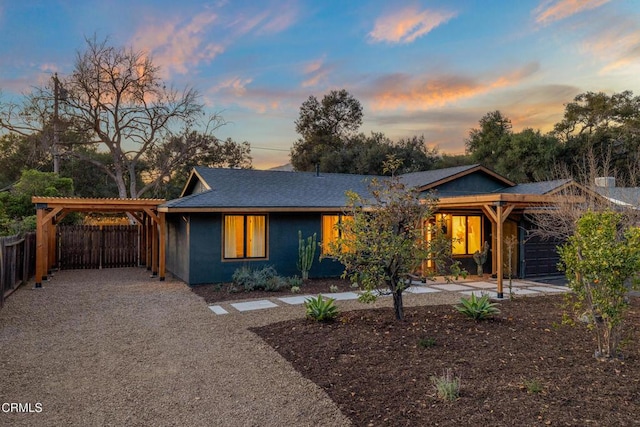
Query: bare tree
column 117, row 96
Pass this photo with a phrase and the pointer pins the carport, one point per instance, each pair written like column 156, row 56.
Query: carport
column 51, row 210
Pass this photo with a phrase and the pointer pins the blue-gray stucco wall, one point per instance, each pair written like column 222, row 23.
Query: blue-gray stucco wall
column 204, row 263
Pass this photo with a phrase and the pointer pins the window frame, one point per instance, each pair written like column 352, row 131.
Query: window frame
column 245, row 239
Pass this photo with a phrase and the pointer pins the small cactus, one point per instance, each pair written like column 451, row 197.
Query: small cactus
column 306, row 252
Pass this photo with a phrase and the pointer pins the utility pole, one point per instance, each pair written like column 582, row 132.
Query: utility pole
column 56, row 92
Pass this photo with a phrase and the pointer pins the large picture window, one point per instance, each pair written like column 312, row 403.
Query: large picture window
column 245, row 236
column 465, row 232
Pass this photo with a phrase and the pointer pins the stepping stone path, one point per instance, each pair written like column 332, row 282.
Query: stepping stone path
column 467, row 288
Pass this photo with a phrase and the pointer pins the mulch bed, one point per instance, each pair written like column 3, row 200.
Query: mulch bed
column 216, row 293
column 377, row 372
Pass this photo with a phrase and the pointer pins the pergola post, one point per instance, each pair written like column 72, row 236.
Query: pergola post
column 40, row 248
column 497, row 217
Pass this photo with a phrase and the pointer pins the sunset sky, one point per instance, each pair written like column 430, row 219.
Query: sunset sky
column 431, row 68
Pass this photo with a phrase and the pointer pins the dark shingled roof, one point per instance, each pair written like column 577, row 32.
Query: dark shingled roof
column 421, row 179
column 621, row 195
column 248, row 188
column 537, row 188
column 241, row 188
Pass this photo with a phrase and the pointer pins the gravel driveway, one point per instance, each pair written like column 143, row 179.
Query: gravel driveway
column 115, row 347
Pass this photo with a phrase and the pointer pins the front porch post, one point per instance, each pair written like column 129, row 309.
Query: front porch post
column 498, row 216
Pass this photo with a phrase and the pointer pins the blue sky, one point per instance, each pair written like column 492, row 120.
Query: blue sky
column 431, row 68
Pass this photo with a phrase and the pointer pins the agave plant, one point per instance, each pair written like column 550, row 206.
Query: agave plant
column 477, row 308
column 320, row 309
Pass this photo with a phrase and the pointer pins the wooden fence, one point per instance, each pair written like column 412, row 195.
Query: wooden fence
column 17, row 262
column 98, row 246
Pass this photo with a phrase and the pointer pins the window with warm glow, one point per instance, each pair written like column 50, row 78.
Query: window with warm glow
column 331, row 233
column 465, row 232
column 245, row 236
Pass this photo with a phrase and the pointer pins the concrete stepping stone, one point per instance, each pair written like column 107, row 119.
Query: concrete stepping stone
column 253, row 305
column 452, row 287
column 339, row 296
column 421, row 290
column 218, row 309
column 549, row 289
column 482, row 285
column 296, row 300
column 520, row 291
column 478, row 293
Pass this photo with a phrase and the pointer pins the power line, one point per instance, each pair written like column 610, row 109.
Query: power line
column 268, row 148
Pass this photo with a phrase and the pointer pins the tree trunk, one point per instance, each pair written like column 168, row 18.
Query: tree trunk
column 398, row 308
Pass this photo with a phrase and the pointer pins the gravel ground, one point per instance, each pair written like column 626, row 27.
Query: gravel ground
column 115, row 347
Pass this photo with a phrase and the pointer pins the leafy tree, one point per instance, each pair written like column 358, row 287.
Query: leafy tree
column 532, row 152
column 497, row 147
column 16, row 208
column 602, row 261
column 487, row 143
column 607, row 126
column 383, row 242
column 116, row 96
column 324, row 126
column 18, row 152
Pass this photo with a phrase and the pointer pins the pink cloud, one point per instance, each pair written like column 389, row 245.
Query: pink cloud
column 555, row 10
column 177, row 45
column 316, row 72
column 404, row 92
column 406, row 25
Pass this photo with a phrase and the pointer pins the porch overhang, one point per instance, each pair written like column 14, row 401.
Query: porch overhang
column 497, row 207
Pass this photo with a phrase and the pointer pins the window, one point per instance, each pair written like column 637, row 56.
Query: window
column 331, row 233
column 464, row 230
column 245, row 236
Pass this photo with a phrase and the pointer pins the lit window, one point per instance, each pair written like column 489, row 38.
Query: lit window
column 245, row 236
column 331, row 232
column 464, row 231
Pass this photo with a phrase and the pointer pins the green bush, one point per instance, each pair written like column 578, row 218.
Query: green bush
column 477, row 308
column 320, row 309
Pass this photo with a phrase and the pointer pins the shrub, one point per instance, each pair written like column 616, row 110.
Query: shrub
column 320, row 309
column 295, row 289
column 295, row 281
column 244, row 277
column 601, row 261
column 265, row 278
column 447, row 386
column 477, row 308
column 275, row 283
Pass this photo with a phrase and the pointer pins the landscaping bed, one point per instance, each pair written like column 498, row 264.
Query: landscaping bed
column 524, row 367
column 216, row 293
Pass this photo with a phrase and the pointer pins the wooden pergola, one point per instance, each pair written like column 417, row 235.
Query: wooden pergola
column 497, row 207
column 51, row 210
